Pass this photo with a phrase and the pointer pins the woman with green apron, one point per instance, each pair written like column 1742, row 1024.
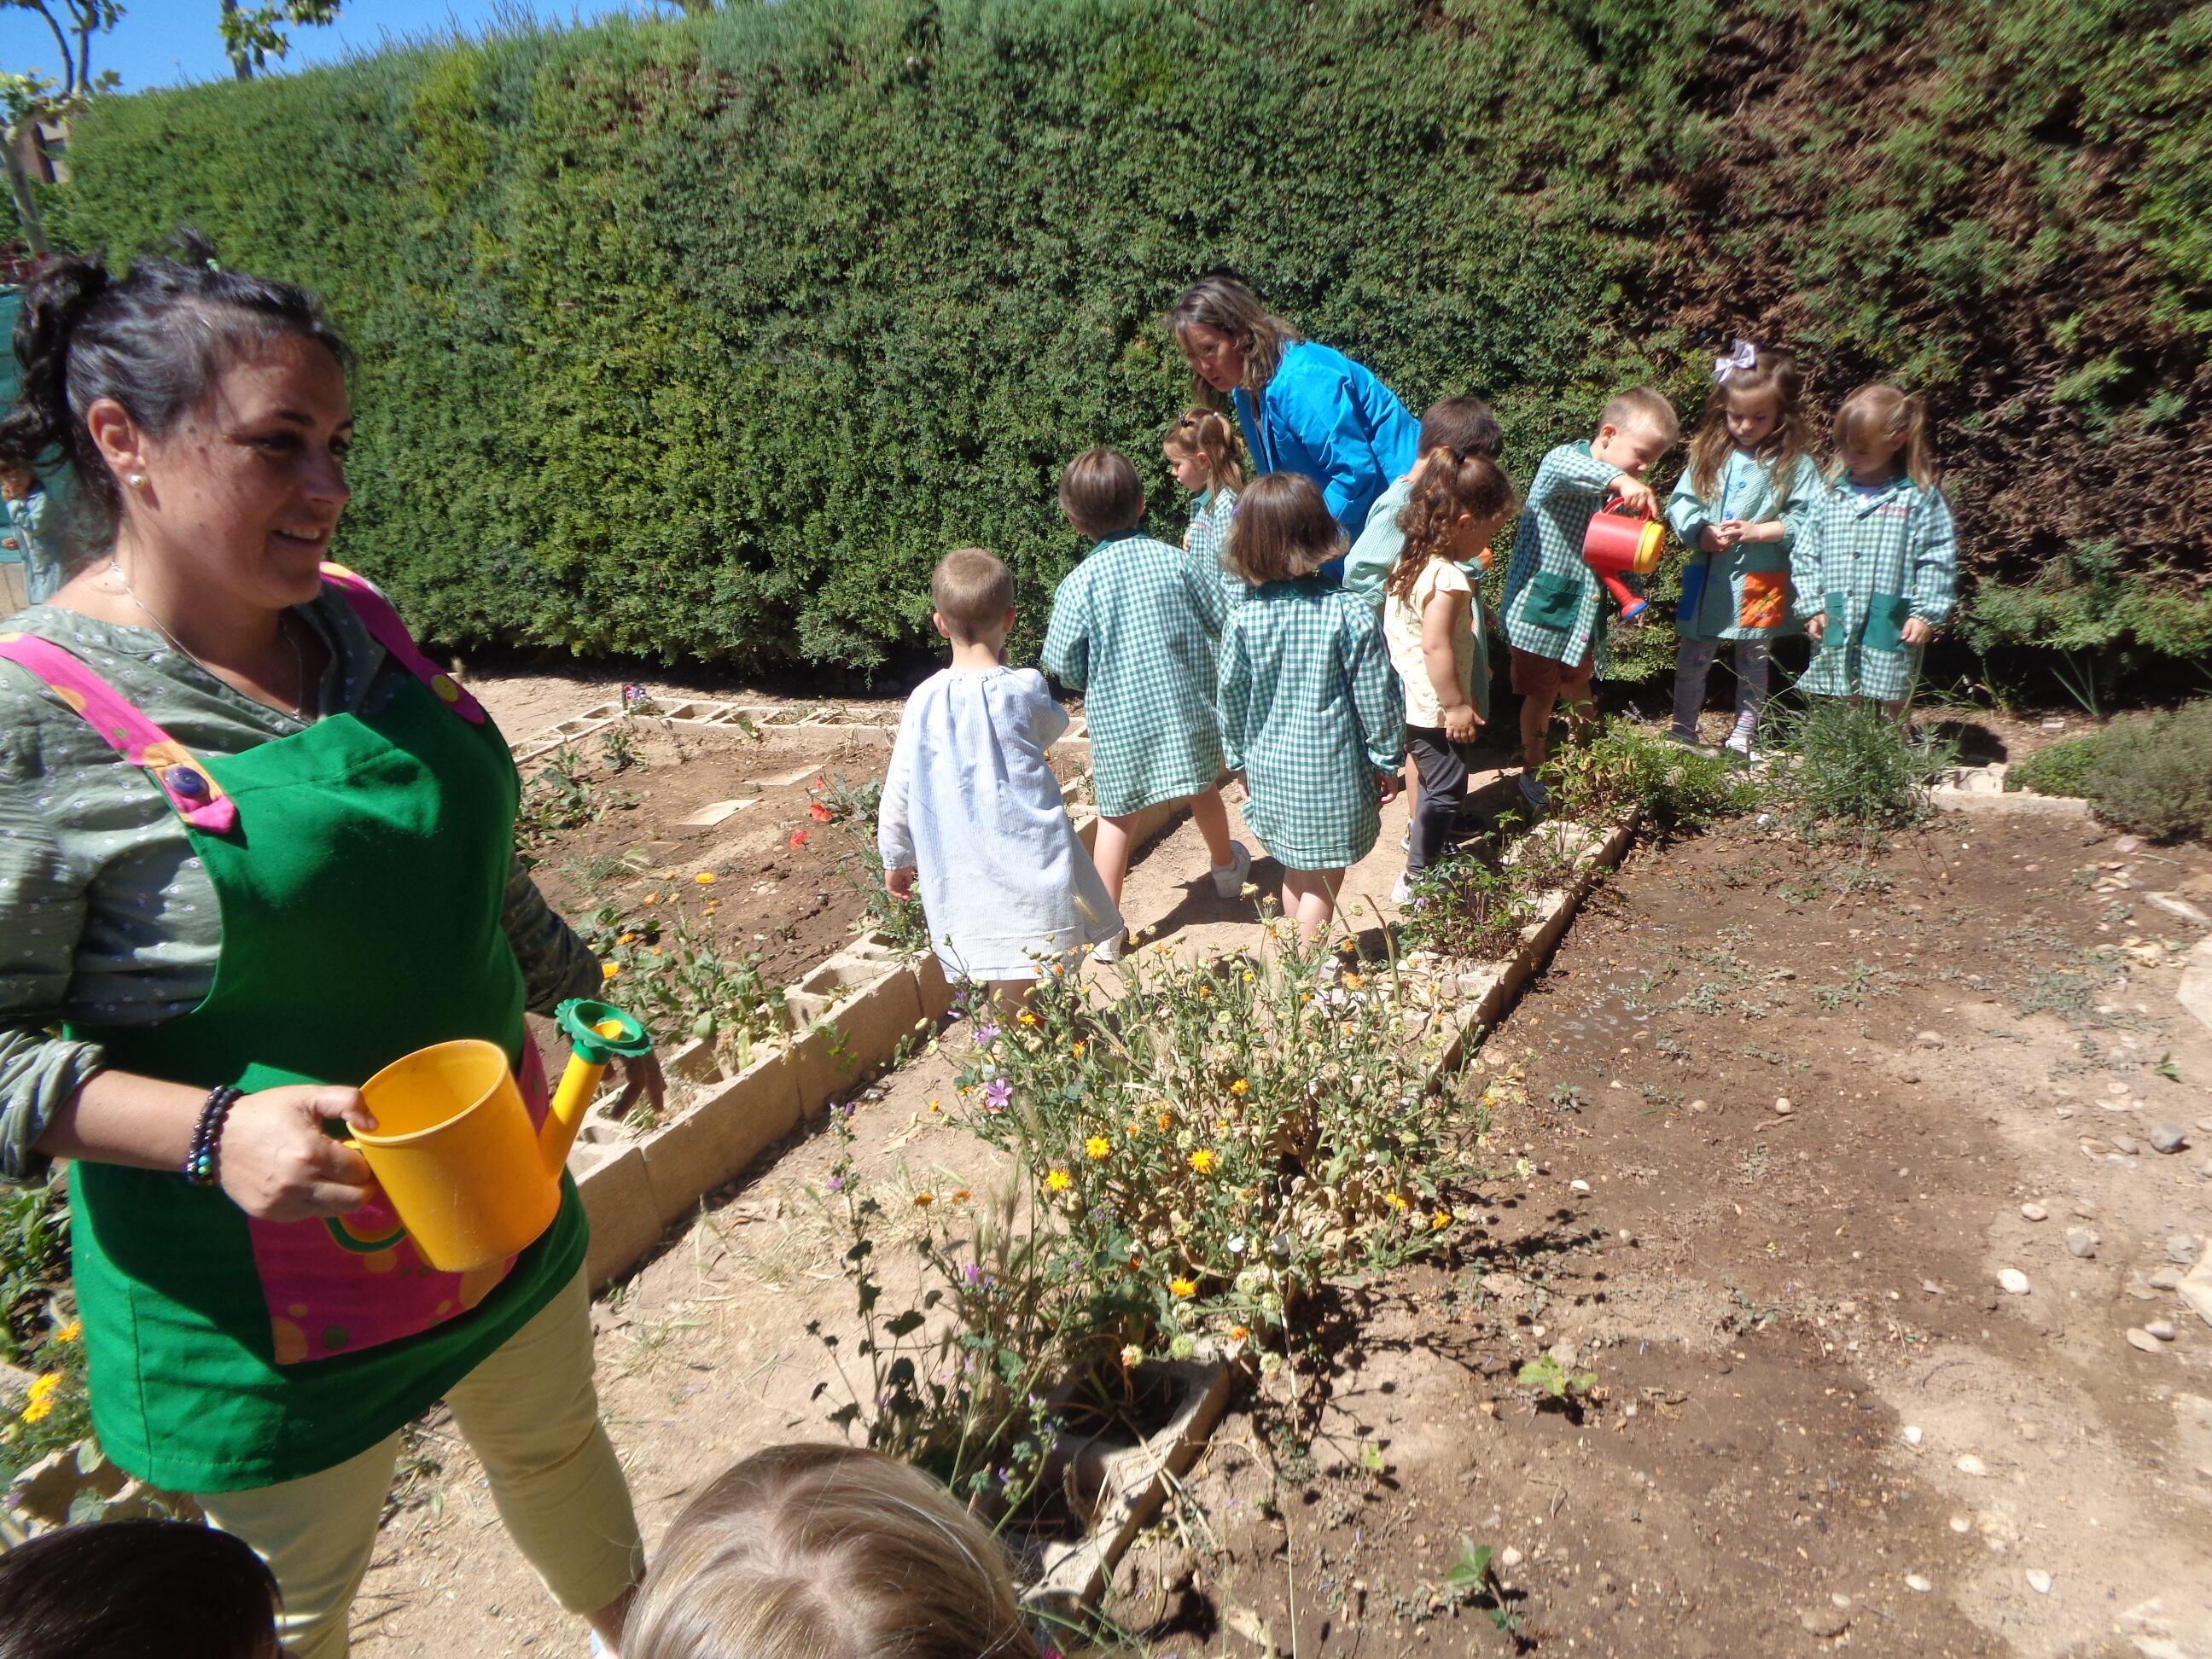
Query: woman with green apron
column 254, row 845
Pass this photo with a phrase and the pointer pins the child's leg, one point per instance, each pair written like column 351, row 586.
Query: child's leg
column 1693, row 664
column 1309, row 895
column 1436, row 802
column 1210, row 814
column 1755, row 666
column 1536, row 727
column 1109, row 851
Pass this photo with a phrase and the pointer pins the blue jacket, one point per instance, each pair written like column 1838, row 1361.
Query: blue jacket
column 1329, row 418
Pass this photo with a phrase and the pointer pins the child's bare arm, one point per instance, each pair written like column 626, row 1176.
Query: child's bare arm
column 1444, row 619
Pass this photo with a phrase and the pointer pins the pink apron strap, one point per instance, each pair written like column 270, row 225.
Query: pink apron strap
column 179, row 775
column 383, row 625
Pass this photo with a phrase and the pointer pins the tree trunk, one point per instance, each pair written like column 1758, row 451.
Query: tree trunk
column 242, row 65
column 19, row 184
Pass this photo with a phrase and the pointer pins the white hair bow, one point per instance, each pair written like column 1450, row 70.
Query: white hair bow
column 1742, row 359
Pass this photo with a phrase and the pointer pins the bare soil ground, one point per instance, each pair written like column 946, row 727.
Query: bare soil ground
column 1977, row 1016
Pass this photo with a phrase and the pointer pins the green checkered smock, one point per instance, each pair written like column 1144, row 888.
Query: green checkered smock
column 1133, row 628
column 1208, row 539
column 1311, row 715
column 1872, row 561
column 1553, row 605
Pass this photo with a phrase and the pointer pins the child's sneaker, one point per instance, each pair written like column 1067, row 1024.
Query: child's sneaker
column 1109, row 950
column 1738, row 741
column 1533, row 791
column 1406, row 839
column 1229, row 878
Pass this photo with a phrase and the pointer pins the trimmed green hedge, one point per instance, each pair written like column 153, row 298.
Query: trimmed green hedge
column 706, row 338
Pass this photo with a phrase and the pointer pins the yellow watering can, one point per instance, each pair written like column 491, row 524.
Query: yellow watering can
column 469, row 1179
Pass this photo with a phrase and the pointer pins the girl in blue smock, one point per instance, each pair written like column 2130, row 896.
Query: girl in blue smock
column 1304, row 408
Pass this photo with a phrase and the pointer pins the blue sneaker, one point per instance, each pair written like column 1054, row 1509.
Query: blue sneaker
column 1533, row 791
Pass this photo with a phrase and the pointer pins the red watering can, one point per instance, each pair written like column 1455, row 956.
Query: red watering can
column 1619, row 544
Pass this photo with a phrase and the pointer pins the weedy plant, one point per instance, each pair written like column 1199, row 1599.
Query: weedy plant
column 40, row 1333
column 665, row 965
column 1844, row 761
column 1190, row 1157
column 1465, row 906
column 561, row 797
column 1624, row 765
column 851, row 810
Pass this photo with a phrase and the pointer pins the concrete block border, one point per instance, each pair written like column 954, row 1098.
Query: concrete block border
column 848, row 1016
column 1982, row 789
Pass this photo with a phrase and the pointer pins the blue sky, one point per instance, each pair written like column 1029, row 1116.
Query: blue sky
column 161, row 43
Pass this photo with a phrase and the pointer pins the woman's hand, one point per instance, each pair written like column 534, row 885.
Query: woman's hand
column 276, row 1164
column 643, row 1076
column 1915, row 632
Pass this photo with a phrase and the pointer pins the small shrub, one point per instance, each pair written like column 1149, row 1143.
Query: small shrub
column 1465, row 907
column 1626, row 765
column 1846, row 762
column 1190, row 1157
column 40, row 1333
column 2062, row 769
column 2156, row 779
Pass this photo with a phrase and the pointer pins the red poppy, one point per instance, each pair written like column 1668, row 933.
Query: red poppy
column 799, row 838
column 822, row 814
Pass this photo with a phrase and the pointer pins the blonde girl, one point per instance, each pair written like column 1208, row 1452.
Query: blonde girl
column 1310, row 711
column 1201, row 449
column 1876, row 566
column 827, row 1551
column 1432, row 624
column 1740, row 502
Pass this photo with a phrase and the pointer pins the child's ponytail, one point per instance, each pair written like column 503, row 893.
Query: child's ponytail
column 1208, row 435
column 1881, row 415
column 1452, row 482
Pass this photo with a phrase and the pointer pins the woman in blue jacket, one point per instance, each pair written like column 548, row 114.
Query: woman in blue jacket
column 1304, row 407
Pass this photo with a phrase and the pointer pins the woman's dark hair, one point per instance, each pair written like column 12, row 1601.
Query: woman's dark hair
column 154, row 340
column 117, row 1590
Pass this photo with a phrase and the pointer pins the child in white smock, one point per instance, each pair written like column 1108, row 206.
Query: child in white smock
column 971, row 811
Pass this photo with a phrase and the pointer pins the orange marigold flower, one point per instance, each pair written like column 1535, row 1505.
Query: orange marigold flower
column 1167, row 1119
column 705, row 877
column 1203, row 1160
column 923, row 1200
column 1237, row 1333
column 1440, row 1220
column 1183, row 1287
column 609, row 970
column 1241, row 1086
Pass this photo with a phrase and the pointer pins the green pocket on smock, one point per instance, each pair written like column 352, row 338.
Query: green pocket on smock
column 1885, row 623
column 1836, row 635
column 1553, row 601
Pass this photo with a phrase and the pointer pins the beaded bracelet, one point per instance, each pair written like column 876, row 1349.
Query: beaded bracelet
column 202, row 1164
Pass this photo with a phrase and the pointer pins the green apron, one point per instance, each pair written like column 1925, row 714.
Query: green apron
column 362, row 879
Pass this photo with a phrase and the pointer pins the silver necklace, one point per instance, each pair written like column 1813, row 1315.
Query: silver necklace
column 297, row 712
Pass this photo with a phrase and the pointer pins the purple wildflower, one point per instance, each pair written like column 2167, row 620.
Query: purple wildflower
column 972, row 1274
column 997, row 1094
column 837, row 1183
column 985, row 1035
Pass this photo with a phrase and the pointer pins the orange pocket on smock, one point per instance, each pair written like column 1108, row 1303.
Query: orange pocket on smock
column 1765, row 601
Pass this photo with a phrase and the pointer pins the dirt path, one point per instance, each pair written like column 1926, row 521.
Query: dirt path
column 1768, row 1301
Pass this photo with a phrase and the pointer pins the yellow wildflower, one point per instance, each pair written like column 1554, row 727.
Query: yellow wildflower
column 710, row 907
column 652, row 898
column 934, row 1106
column 1203, row 1160
column 37, row 1410
column 1077, row 1050
column 71, row 1332
column 705, row 877
column 1440, row 1220
column 42, row 1388
column 1353, row 981
column 1058, row 1181
column 1396, row 1201
column 609, row 970
column 1238, row 1333
column 1026, row 1017
column 1097, row 1146
column 1167, row 1121
column 1183, row 1287
column 1239, row 1087
column 627, row 939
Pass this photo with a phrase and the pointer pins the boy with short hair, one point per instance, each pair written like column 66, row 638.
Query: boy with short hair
column 1464, row 424
column 971, row 804
column 1134, row 628
column 1554, row 607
